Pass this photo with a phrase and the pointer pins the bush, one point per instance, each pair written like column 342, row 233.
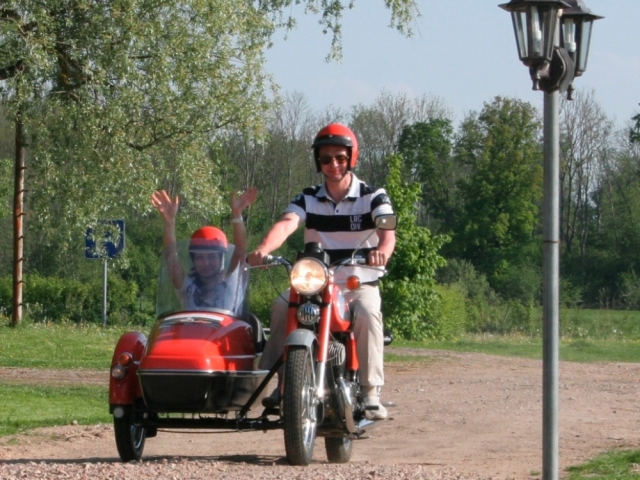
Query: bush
column 630, row 290
column 436, row 312
column 450, row 312
column 462, row 273
column 55, row 299
column 522, row 283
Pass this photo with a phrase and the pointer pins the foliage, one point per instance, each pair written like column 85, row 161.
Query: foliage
column 499, row 146
column 140, row 87
column 634, row 132
column 450, row 312
column 48, row 299
column 630, row 289
column 378, row 127
column 408, row 291
column 426, row 149
column 330, row 11
column 486, row 311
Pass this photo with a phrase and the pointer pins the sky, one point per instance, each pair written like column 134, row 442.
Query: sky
column 463, row 51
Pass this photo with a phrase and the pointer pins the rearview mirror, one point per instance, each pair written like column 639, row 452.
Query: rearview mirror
column 386, row 222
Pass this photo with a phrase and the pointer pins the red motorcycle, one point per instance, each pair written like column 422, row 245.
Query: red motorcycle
column 198, row 368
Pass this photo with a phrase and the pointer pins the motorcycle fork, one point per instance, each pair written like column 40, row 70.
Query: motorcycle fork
column 323, row 333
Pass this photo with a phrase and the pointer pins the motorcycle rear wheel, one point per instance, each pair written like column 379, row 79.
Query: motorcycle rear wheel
column 339, row 449
column 299, row 407
column 129, row 438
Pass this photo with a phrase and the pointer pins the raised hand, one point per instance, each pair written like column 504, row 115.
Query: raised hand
column 240, row 202
column 166, row 206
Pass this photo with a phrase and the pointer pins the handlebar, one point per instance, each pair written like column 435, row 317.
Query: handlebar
column 273, row 261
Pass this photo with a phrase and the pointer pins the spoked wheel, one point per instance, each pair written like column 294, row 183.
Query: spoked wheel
column 338, row 449
column 129, row 438
column 299, row 405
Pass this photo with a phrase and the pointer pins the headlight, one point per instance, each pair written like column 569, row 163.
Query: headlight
column 309, row 276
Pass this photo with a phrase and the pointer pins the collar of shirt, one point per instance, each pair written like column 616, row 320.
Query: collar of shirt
column 352, row 194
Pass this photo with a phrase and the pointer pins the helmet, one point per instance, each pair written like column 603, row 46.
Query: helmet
column 336, row 134
column 207, row 239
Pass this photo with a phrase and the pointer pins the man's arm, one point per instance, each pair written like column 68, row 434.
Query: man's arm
column 275, row 237
column 386, row 244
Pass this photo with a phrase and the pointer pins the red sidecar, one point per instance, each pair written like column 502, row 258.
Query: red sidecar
column 198, row 368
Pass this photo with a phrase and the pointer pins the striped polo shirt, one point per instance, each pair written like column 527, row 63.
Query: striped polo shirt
column 341, row 227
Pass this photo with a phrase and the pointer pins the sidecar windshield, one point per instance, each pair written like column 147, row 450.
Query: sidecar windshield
column 201, row 282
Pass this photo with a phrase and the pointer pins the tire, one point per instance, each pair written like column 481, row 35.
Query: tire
column 338, row 449
column 129, row 438
column 299, row 407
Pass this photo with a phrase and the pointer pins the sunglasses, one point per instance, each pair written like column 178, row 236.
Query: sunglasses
column 327, row 159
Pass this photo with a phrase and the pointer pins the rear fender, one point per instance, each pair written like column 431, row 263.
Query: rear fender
column 127, row 390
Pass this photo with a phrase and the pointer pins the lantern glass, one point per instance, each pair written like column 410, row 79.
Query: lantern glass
column 575, row 33
column 534, row 26
column 584, row 40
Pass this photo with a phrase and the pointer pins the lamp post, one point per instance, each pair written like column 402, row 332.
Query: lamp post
column 553, row 63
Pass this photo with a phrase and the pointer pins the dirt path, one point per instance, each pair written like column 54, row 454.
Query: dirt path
column 476, row 414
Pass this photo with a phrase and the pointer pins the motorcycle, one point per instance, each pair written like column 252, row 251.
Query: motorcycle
column 198, row 368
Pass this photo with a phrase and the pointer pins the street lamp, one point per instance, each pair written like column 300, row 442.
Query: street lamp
column 553, row 60
column 535, row 25
column 575, row 33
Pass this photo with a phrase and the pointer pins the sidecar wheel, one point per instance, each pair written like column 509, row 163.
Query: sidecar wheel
column 299, row 405
column 338, row 449
column 129, row 438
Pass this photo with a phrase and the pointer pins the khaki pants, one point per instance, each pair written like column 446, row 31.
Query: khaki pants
column 367, row 328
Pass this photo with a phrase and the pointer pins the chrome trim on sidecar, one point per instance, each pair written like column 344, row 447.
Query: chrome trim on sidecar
column 221, row 373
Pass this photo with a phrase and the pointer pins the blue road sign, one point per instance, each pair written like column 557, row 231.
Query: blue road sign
column 107, row 247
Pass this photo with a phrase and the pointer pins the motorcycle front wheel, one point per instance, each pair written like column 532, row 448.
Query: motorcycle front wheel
column 299, row 407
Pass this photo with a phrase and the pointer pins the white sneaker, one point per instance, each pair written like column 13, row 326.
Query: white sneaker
column 372, row 399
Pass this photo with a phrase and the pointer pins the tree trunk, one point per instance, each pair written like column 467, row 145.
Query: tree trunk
column 18, row 215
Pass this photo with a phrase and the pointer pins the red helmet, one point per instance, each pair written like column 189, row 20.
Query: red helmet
column 336, row 134
column 207, row 239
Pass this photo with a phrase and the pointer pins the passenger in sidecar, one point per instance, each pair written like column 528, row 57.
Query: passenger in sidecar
column 207, row 283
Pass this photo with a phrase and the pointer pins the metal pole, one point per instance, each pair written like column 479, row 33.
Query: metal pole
column 550, row 273
column 104, row 292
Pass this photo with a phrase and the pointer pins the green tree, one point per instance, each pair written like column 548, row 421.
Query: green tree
column 115, row 99
column 426, row 148
column 634, row 132
column 501, row 194
column 410, row 297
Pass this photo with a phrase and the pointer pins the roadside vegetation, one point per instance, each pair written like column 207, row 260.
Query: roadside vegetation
column 466, row 271
column 616, row 465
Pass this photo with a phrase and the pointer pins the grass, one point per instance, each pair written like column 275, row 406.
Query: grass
column 588, row 336
column 58, row 345
column 615, row 465
column 519, row 346
column 23, row 407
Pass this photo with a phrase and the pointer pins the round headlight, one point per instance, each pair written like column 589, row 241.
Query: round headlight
column 309, row 276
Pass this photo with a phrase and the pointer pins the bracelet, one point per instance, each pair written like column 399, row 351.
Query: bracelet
column 237, row 220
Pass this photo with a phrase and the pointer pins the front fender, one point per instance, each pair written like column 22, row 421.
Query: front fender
column 127, row 390
column 301, row 338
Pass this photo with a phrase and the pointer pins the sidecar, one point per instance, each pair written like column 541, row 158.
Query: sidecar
column 198, row 368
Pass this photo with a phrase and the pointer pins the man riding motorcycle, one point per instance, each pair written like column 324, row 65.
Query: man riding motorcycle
column 339, row 214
